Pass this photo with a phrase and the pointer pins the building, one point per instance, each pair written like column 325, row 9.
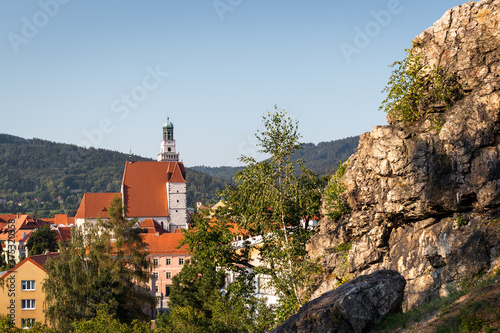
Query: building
column 22, row 297
column 167, row 149
column 149, row 190
column 16, row 229
column 167, row 260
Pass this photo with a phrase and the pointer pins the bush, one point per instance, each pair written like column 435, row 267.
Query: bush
column 335, row 204
column 415, row 91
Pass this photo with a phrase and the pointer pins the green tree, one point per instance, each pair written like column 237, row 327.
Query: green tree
column 270, row 199
column 105, row 321
column 42, row 239
column 3, row 263
column 105, row 263
column 200, row 300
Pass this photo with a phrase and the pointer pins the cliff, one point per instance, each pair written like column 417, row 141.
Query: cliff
column 425, row 199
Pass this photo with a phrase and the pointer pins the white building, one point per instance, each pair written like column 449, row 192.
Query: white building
column 149, row 190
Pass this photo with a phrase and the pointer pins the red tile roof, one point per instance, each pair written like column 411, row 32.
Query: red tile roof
column 38, row 260
column 63, row 219
column 63, row 234
column 95, row 205
column 152, row 226
column 145, row 186
column 165, row 243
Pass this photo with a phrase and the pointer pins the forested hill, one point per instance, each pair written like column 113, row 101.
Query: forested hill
column 321, row 158
column 41, row 176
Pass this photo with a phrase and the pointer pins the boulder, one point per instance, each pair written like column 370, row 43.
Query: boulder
column 353, row 307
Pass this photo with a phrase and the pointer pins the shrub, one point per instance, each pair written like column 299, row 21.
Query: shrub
column 335, row 204
column 415, row 91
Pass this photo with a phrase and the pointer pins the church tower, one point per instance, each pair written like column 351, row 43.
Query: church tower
column 167, row 150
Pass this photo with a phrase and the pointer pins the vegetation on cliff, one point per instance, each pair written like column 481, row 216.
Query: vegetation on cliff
column 415, row 90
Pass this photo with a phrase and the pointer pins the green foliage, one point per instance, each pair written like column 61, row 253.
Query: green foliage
column 335, row 204
column 342, row 247
column 415, row 90
column 43, row 170
column 457, row 323
column 197, row 303
column 6, row 326
column 92, row 271
column 42, row 239
column 105, row 321
column 460, row 221
column 270, row 199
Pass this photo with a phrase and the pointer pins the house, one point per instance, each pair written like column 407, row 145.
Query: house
column 22, row 297
column 16, row 229
column 149, row 190
column 167, row 260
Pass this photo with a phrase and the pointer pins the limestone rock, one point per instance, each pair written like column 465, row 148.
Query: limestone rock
column 426, row 201
column 353, row 307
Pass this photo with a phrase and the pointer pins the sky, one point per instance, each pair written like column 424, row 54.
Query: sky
column 107, row 74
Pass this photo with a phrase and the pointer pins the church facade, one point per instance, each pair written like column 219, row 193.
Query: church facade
column 149, row 190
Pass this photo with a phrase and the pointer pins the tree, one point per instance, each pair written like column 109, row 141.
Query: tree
column 105, row 321
column 270, row 199
column 104, row 263
column 200, row 300
column 42, row 239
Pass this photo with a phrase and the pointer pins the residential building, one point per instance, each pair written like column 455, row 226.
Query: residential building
column 15, row 230
column 22, row 297
column 167, row 260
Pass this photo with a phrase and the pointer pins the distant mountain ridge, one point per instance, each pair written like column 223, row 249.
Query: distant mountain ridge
column 40, row 176
column 47, row 177
column 322, row 158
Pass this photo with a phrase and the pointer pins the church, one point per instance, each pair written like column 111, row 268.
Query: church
column 149, row 190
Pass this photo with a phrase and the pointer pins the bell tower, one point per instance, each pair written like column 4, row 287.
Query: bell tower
column 167, row 149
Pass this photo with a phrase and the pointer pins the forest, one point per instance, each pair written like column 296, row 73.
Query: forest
column 43, row 177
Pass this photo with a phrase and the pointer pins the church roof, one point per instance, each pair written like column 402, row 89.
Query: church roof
column 168, row 124
column 145, row 186
column 95, row 205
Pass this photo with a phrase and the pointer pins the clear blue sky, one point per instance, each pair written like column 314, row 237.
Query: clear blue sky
column 116, row 69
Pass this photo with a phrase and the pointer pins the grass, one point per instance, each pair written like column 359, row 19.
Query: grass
column 480, row 313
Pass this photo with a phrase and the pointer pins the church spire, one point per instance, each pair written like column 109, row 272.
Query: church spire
column 167, row 150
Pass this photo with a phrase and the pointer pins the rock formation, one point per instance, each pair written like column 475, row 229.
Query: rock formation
column 352, row 307
column 425, row 201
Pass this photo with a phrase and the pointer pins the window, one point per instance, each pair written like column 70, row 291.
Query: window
column 155, row 275
column 27, row 284
column 181, row 261
column 168, row 261
column 28, row 304
column 155, row 261
column 167, row 291
column 168, row 275
column 27, row 322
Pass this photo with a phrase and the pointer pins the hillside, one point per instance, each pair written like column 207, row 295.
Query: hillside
column 41, row 176
column 321, row 158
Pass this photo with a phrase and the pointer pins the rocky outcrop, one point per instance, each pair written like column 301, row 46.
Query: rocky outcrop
column 425, row 200
column 351, row 308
